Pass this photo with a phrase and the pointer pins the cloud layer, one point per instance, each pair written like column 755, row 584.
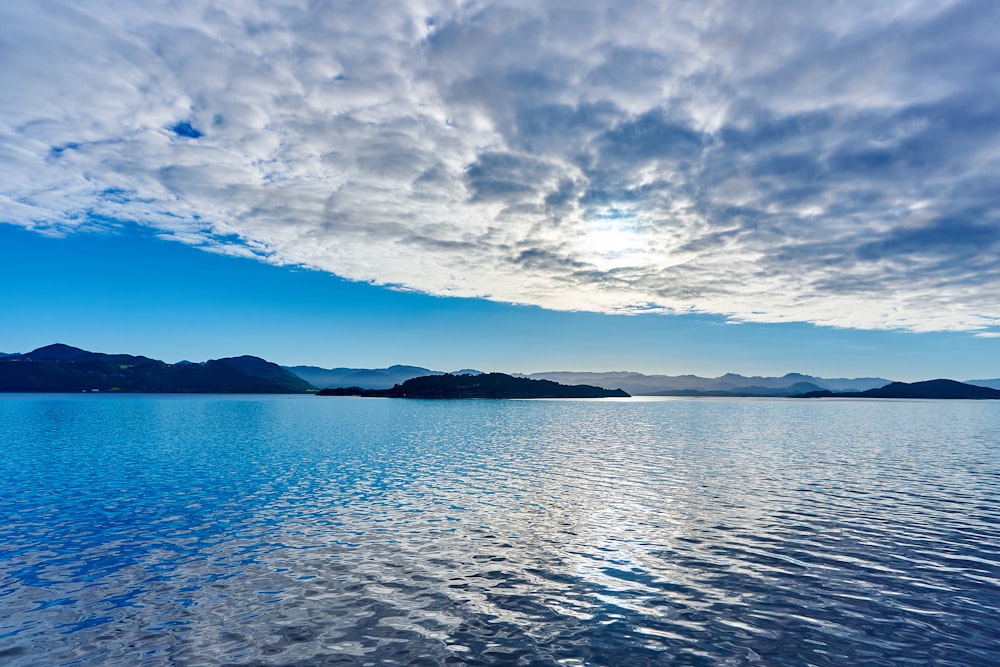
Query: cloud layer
column 829, row 162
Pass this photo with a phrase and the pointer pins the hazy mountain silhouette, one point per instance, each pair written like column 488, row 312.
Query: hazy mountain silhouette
column 992, row 384
column 366, row 378
column 788, row 390
column 730, row 384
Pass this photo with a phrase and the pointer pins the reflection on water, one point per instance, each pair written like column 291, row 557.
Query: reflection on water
column 342, row 531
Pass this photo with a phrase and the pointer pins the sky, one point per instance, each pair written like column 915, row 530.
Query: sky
column 672, row 187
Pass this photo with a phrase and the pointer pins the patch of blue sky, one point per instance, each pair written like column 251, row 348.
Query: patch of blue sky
column 131, row 292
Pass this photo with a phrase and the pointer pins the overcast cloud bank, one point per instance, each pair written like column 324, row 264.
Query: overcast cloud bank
column 836, row 163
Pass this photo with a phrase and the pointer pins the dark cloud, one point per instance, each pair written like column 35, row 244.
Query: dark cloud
column 949, row 238
column 505, row 177
column 651, row 136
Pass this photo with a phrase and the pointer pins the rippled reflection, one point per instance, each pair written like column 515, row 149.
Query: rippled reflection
column 302, row 531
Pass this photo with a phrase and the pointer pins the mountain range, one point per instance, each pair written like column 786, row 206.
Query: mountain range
column 636, row 384
column 62, row 368
column 730, row 384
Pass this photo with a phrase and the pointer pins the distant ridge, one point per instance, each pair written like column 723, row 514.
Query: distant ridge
column 63, row 368
column 992, row 384
column 366, row 378
column 60, row 367
column 730, row 384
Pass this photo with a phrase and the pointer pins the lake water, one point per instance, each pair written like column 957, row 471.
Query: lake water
column 206, row 530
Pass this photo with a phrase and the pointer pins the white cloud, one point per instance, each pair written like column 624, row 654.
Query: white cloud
column 831, row 163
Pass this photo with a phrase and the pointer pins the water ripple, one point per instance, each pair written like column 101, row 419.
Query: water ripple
column 302, row 531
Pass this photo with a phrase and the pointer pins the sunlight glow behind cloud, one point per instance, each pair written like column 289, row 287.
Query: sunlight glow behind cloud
column 833, row 163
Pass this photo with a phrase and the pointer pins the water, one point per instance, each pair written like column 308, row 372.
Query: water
column 193, row 530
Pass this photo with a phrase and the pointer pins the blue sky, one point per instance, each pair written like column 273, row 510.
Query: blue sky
column 131, row 292
column 656, row 186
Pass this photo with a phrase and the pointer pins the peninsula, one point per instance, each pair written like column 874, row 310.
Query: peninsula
column 485, row 385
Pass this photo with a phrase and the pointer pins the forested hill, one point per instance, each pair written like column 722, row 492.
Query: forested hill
column 62, row 368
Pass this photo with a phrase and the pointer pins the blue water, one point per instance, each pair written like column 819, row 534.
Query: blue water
column 202, row 530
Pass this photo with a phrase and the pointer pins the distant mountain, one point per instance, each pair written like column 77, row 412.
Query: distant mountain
column 62, row 368
column 366, row 378
column 992, row 384
column 789, row 390
column 730, row 384
column 926, row 389
column 484, row 385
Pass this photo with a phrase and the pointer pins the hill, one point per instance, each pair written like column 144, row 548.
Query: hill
column 948, row 389
column 486, row 385
column 63, row 368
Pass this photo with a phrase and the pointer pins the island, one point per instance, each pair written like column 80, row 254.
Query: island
column 937, row 389
column 486, row 385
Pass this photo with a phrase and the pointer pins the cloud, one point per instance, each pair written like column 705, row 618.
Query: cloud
column 829, row 163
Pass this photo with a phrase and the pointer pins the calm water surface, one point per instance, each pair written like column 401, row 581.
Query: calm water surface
column 194, row 530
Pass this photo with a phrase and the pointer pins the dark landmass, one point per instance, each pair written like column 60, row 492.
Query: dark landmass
column 62, row 368
column 926, row 389
column 730, row 384
column 486, row 385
